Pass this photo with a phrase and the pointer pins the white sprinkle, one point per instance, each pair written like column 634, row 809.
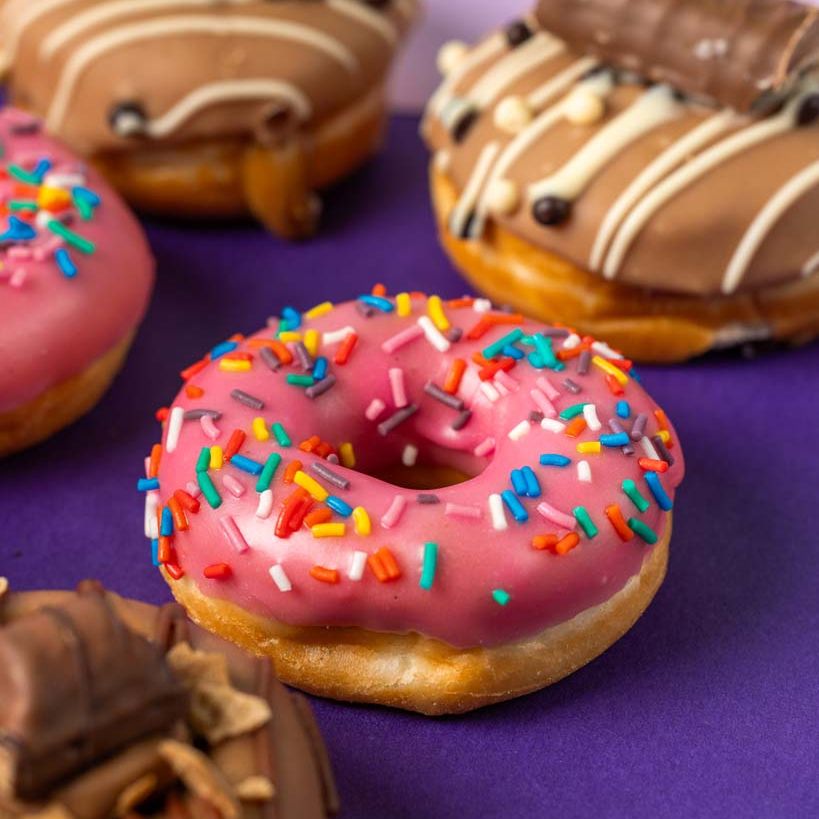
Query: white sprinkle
column 649, row 449
column 64, row 179
column 496, row 513
column 517, row 432
column 377, row 406
column 481, row 305
column 398, row 387
column 571, row 341
column 357, row 566
column 584, row 472
column 459, row 510
column 175, row 420
column 551, row 425
column 336, row 336
column 280, row 578
column 151, row 523
column 489, row 391
column 485, row 447
column 265, row 506
column 410, row 455
column 590, row 414
column 433, row 334
column 603, row 349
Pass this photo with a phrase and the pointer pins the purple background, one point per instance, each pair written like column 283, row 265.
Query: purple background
column 707, row 707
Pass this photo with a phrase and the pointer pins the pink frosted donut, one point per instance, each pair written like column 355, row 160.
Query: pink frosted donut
column 305, row 501
column 75, row 277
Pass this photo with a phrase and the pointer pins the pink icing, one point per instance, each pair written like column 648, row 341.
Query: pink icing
column 53, row 327
column 474, row 559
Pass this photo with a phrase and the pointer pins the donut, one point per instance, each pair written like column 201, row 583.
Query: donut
column 75, row 277
column 210, row 108
column 116, row 708
column 648, row 174
column 421, row 503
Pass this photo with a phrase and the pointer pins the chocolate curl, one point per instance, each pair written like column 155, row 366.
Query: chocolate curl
column 744, row 53
column 76, row 686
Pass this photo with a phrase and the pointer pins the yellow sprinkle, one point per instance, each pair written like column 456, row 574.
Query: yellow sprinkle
column 403, row 304
column 311, row 341
column 665, row 436
column 47, row 197
column 319, row 310
column 347, row 455
column 589, row 448
column 362, row 521
column 316, row 490
column 329, row 530
column 231, row 365
column 216, row 457
column 606, row 367
column 260, row 429
column 289, row 335
column 436, row 312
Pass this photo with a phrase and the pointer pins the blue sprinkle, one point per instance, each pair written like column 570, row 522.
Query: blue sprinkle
column 221, row 349
column 615, row 439
column 247, row 464
column 514, row 506
column 87, row 195
column 518, row 481
column 320, row 368
column 339, row 506
column 65, row 263
column 18, row 231
column 382, row 304
column 147, row 484
column 533, row 489
column 42, row 168
column 291, row 318
column 155, row 552
column 657, row 489
column 166, row 525
column 513, row 352
column 635, row 375
column 623, row 409
column 550, row 459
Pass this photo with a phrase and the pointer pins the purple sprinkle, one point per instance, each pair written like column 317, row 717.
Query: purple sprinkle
column 305, row 359
column 364, row 309
column 639, row 428
column 396, row 419
column 462, row 420
column 427, row 498
column 269, row 357
column 332, row 458
column 617, row 428
column 248, row 400
column 555, row 332
column 536, row 416
column 315, row 390
column 662, row 450
column 438, row 394
column 454, row 334
column 571, row 386
column 583, row 363
column 329, row 475
column 196, row 414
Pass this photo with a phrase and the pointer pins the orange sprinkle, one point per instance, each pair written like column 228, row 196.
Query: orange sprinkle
column 454, row 376
column 238, row 356
column 324, row 575
column 161, row 414
column 290, row 471
column 192, row 391
column 237, row 337
column 488, row 372
column 310, row 444
column 575, row 426
column 614, row 385
column 281, row 351
column 324, row 449
column 153, row 463
column 318, row 516
column 652, row 465
column 180, row 519
column 218, row 571
column 345, row 349
column 196, row 367
column 572, row 352
column 567, row 543
column 379, row 289
column 187, row 501
column 617, row 520
column 662, row 419
column 457, row 304
column 164, row 552
column 545, row 542
column 384, row 565
column 234, row 444
column 622, row 363
column 175, row 571
column 490, row 320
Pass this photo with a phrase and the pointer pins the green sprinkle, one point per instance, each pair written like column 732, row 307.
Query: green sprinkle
column 510, row 338
column 22, row 204
column 203, row 462
column 645, row 532
column 630, row 488
column 300, row 380
column 208, row 490
column 501, row 596
column 269, row 470
column 74, row 239
column 282, row 438
column 586, row 523
column 430, row 563
column 84, row 208
column 22, row 175
column 572, row 411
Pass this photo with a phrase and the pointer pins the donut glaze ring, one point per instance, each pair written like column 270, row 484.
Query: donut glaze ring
column 210, row 107
column 438, row 600
column 666, row 224
column 75, row 277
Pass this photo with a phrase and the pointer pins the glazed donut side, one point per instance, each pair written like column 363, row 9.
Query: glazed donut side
column 273, row 507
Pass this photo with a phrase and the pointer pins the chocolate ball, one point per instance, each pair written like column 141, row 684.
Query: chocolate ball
column 551, row 210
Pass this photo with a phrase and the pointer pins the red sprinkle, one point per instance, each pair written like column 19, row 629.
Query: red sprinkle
column 187, row 501
column 196, row 367
column 345, row 349
column 324, row 575
column 617, row 520
column 180, row 519
column 218, row 571
column 454, row 376
column 175, row 571
column 234, row 444
column 652, row 465
column 614, row 385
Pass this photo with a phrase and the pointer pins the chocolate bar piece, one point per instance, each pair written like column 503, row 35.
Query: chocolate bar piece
column 740, row 53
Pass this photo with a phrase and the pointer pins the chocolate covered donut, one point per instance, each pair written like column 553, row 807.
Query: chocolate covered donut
column 646, row 170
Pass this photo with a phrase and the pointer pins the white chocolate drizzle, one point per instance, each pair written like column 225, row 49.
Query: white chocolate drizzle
column 811, row 265
column 15, row 23
column 368, row 17
column 462, row 211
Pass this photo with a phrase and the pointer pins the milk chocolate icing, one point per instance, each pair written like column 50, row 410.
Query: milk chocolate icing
column 93, row 719
column 632, row 180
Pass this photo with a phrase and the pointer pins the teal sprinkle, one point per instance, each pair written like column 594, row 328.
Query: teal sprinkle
column 572, row 411
column 644, row 531
column 209, row 490
column 22, row 204
column 282, row 438
column 300, row 380
column 84, row 208
column 497, row 347
column 501, row 596
column 270, row 467
column 586, row 523
column 23, row 175
column 633, row 493
column 74, row 239
column 430, row 564
column 203, row 462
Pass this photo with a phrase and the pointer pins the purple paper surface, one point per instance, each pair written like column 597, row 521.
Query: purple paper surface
column 708, row 707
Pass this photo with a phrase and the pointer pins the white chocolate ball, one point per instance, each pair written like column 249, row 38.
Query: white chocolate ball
column 584, row 107
column 513, row 114
column 503, row 197
column 450, row 56
column 443, row 161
